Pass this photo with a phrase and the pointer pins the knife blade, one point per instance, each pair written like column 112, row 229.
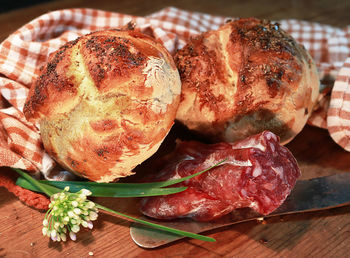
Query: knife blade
column 307, row 196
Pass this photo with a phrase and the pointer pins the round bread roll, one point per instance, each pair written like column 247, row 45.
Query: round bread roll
column 105, row 102
column 246, row 77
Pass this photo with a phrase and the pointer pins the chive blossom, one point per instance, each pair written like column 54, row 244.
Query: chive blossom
column 68, row 211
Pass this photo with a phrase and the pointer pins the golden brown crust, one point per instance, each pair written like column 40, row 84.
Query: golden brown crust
column 105, row 102
column 246, row 77
column 52, row 79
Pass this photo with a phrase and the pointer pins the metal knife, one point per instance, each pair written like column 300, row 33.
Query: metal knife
column 307, row 195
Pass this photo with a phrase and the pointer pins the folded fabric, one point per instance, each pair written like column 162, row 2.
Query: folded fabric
column 26, row 50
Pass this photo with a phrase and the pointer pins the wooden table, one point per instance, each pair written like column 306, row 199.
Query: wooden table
column 317, row 234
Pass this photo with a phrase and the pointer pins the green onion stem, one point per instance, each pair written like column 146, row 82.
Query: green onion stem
column 98, row 191
column 35, row 182
column 176, row 181
column 114, row 189
column 160, row 227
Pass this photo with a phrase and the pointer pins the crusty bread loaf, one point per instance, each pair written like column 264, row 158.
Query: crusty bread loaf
column 246, row 77
column 105, row 102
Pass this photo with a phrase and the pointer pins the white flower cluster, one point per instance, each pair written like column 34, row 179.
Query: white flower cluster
column 67, row 212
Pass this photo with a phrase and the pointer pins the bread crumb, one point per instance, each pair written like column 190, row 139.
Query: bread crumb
column 261, row 219
column 91, row 253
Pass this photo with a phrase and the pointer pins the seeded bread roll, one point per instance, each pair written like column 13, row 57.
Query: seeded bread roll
column 105, row 102
column 246, row 77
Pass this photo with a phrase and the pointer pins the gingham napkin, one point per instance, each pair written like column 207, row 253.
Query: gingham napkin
column 26, row 50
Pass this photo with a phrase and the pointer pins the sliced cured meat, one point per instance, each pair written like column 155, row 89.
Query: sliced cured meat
column 258, row 173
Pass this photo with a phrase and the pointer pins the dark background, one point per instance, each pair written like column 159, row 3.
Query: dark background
column 8, row 5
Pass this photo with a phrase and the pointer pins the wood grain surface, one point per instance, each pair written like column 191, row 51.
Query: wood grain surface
column 318, row 234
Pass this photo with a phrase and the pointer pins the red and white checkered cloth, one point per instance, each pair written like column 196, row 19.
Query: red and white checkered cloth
column 27, row 49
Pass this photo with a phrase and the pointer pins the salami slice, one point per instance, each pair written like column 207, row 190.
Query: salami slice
column 258, row 173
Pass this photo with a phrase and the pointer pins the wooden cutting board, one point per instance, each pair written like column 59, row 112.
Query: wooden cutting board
column 324, row 233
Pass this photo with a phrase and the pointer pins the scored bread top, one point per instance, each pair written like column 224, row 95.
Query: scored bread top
column 246, row 77
column 105, row 102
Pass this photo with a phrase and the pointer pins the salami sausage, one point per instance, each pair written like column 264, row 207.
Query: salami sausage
column 258, row 173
